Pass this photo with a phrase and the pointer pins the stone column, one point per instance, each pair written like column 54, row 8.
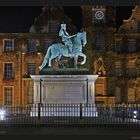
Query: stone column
column 36, row 92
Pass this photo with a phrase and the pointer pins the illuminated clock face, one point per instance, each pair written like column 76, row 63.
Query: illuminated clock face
column 99, row 15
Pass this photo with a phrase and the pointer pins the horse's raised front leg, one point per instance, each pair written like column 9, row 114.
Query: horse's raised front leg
column 50, row 61
column 58, row 60
column 51, row 58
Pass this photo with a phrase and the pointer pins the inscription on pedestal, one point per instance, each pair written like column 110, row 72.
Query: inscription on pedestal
column 64, row 92
column 64, row 88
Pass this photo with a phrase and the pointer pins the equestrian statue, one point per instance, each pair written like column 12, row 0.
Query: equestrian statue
column 71, row 47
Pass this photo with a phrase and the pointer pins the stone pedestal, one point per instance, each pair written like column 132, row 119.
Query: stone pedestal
column 64, row 88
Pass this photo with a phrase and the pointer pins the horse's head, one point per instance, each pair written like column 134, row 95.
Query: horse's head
column 82, row 37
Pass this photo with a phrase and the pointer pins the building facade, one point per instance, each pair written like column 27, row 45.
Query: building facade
column 113, row 56
column 127, row 59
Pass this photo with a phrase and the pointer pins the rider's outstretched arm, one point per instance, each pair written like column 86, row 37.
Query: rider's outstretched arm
column 71, row 36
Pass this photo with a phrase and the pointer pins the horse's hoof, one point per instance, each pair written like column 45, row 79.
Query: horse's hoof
column 49, row 67
column 40, row 68
column 82, row 63
column 56, row 60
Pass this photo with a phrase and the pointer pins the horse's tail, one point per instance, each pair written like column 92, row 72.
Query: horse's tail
column 46, row 58
column 48, row 53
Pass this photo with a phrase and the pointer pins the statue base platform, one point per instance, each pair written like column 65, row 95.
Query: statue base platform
column 61, row 95
column 62, row 71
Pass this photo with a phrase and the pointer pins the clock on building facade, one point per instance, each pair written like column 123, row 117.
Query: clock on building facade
column 99, row 15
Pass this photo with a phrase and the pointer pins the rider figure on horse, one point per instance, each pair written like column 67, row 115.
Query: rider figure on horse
column 66, row 38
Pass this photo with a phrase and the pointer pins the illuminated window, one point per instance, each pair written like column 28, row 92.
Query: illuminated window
column 118, row 94
column 132, row 72
column 8, row 92
column 53, row 26
column 30, row 93
column 118, row 68
column 47, row 44
column 8, row 45
column 31, row 45
column 100, row 43
column 132, row 45
column 8, row 71
column 131, row 95
column 31, row 68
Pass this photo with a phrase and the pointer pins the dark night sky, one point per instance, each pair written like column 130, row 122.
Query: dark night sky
column 19, row 19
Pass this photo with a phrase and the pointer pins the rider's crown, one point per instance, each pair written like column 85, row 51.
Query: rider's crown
column 63, row 24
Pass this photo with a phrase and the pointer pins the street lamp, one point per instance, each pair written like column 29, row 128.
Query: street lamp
column 2, row 114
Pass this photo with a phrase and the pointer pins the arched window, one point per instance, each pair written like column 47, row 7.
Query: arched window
column 100, row 43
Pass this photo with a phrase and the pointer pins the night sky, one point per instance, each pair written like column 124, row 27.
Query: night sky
column 20, row 19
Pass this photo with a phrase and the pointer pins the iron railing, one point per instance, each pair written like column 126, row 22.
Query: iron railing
column 71, row 115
